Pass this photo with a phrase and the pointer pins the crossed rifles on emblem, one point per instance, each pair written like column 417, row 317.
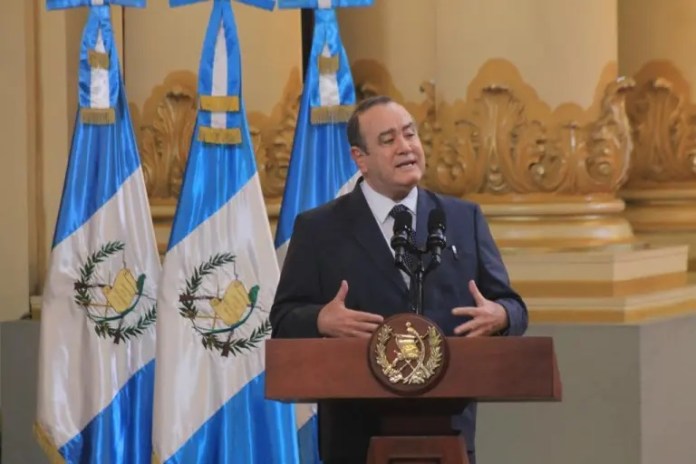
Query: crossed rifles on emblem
column 411, row 349
column 122, row 295
column 229, row 308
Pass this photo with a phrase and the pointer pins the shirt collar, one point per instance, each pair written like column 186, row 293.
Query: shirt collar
column 381, row 205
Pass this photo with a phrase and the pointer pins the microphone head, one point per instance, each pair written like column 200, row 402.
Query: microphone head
column 402, row 221
column 437, row 220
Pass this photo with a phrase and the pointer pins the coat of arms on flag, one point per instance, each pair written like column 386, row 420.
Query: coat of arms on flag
column 218, row 281
column 96, row 357
column 228, row 309
column 113, row 305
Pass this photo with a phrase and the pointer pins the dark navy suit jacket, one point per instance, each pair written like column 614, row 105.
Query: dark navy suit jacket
column 341, row 240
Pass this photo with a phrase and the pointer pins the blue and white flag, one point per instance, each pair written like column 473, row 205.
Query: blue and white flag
column 322, row 3
column 321, row 168
column 320, row 165
column 220, row 275
column 61, row 4
column 96, row 367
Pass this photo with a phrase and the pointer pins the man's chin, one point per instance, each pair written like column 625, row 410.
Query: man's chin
column 410, row 181
column 406, row 187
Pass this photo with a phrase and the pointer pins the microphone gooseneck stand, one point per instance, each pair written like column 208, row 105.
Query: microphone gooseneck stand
column 402, row 243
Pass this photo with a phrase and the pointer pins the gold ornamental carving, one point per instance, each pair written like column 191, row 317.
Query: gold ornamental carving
column 501, row 146
column 166, row 128
column 273, row 136
column 545, row 178
column 408, row 353
column 502, row 139
column 408, row 364
column 498, row 148
column 165, row 141
column 661, row 192
column 170, row 117
column 664, row 132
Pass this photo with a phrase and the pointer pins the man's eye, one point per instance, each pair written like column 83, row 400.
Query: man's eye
column 387, row 141
column 409, row 134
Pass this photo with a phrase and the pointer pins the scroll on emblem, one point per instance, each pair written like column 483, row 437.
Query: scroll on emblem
column 408, row 354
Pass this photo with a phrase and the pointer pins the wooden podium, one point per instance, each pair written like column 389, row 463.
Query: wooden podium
column 414, row 428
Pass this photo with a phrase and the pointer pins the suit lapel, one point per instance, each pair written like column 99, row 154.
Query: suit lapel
column 366, row 231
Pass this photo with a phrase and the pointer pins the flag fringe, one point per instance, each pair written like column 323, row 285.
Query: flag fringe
column 220, row 136
column 97, row 116
column 219, row 103
column 97, row 60
column 328, row 64
column 331, row 114
column 47, row 445
column 155, row 458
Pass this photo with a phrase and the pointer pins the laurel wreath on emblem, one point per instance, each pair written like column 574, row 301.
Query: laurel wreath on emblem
column 230, row 310
column 411, row 353
column 122, row 297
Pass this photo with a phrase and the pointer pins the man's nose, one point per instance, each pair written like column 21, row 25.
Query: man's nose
column 402, row 145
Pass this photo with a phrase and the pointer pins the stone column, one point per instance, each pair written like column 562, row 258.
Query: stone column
column 40, row 53
column 17, row 114
column 531, row 120
column 656, row 47
column 392, row 48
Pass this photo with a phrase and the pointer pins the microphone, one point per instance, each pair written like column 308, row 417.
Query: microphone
column 402, row 231
column 437, row 225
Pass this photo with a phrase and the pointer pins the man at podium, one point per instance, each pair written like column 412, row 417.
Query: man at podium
column 339, row 277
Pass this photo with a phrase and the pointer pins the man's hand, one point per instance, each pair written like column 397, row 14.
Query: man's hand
column 335, row 320
column 487, row 317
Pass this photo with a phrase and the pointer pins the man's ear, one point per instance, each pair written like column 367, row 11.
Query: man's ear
column 359, row 157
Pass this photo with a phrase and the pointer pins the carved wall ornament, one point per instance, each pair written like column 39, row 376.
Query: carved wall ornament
column 545, row 178
column 165, row 141
column 502, row 139
column 501, row 146
column 498, row 148
column 661, row 192
column 273, row 137
column 664, row 131
column 169, row 120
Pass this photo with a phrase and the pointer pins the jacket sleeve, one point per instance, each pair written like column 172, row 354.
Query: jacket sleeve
column 494, row 282
column 298, row 297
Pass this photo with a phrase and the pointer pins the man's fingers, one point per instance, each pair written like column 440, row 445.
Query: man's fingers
column 342, row 292
column 480, row 332
column 465, row 328
column 478, row 298
column 366, row 327
column 362, row 316
column 466, row 311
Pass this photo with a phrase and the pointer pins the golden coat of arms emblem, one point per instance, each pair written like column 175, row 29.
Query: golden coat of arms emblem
column 408, row 354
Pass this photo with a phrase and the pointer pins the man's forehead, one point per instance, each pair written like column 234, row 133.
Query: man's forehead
column 381, row 118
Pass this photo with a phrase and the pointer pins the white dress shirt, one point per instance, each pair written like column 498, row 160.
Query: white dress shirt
column 381, row 205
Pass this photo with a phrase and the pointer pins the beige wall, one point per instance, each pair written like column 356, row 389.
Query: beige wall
column 400, row 35
column 40, row 53
column 161, row 40
column 16, row 123
column 664, row 30
column 560, row 47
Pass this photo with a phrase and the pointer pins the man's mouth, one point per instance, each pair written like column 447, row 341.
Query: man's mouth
column 406, row 164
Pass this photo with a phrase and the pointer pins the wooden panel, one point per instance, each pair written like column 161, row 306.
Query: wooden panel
column 488, row 369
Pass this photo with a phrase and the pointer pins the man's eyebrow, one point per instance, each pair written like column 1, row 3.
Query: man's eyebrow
column 386, row 132
column 410, row 125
